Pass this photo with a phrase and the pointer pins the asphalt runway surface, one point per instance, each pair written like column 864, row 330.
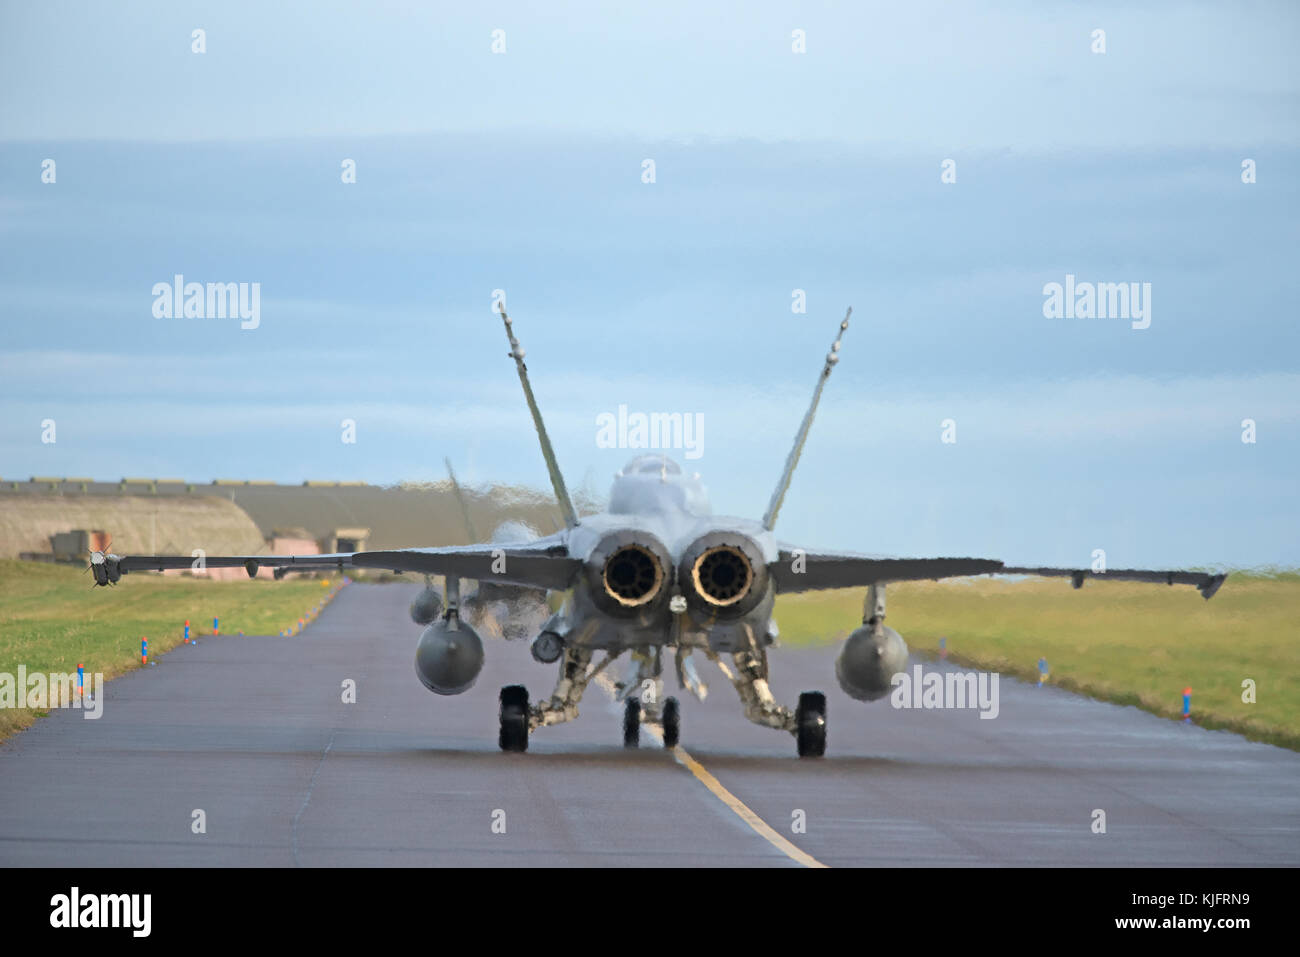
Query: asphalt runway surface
column 253, row 732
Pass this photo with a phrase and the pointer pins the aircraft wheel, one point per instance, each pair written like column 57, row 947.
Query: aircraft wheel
column 672, row 723
column 632, row 723
column 810, row 718
column 514, row 718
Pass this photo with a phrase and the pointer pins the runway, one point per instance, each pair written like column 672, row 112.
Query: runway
column 253, row 732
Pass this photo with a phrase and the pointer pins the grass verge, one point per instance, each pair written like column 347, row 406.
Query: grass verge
column 51, row 619
column 1126, row 642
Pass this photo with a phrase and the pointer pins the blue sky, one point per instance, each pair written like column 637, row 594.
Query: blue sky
column 775, row 171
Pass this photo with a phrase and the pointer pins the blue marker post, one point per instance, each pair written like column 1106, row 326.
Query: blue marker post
column 187, row 631
column 216, row 629
column 1187, row 704
column 144, row 651
column 1042, row 671
column 81, row 682
column 943, row 648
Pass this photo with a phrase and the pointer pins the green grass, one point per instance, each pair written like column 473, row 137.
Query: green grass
column 51, row 618
column 1131, row 643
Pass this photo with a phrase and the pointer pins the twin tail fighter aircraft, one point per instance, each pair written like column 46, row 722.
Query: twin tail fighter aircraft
column 656, row 575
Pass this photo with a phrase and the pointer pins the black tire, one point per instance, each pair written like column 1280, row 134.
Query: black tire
column 514, row 718
column 811, row 720
column 632, row 723
column 672, row 723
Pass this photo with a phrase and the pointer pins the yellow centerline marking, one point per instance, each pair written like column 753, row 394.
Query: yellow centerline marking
column 737, row 806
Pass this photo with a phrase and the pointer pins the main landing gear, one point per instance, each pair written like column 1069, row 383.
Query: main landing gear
column 807, row 722
column 514, row 718
column 810, row 724
column 643, row 703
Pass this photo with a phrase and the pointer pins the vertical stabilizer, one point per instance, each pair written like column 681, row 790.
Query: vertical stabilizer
column 778, row 496
column 548, row 453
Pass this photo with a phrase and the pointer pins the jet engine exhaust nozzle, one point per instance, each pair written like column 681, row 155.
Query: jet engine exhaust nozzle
column 628, row 572
column 632, row 575
column 723, row 574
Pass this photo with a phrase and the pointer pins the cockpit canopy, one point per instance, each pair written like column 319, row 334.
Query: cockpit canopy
column 652, row 464
column 656, row 483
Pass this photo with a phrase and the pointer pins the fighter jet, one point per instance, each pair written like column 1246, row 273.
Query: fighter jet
column 656, row 574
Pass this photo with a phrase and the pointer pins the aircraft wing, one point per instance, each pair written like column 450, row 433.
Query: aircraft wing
column 799, row 571
column 1206, row 583
column 796, row 570
column 542, row 564
column 157, row 563
column 539, row 564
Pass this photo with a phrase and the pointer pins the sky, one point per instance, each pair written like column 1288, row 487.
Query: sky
column 775, row 171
